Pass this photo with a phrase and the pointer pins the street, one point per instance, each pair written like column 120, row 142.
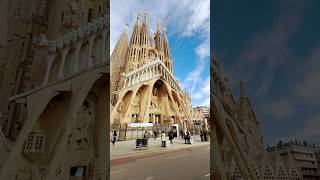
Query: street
column 188, row 164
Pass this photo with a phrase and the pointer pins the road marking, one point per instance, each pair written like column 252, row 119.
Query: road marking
column 149, row 178
column 118, row 171
column 176, row 156
column 207, row 175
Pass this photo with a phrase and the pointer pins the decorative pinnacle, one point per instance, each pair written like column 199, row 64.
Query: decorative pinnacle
column 126, row 27
column 158, row 25
column 138, row 15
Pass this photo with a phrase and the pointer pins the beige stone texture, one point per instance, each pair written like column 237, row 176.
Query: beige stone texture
column 55, row 91
column 237, row 149
column 143, row 86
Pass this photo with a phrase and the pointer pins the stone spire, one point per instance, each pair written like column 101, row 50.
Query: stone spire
column 159, row 42
column 144, row 30
column 166, row 51
column 135, row 38
column 243, row 95
column 134, row 48
column 158, row 37
column 144, row 40
column 120, row 51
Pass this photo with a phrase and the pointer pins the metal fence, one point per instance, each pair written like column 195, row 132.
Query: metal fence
column 133, row 133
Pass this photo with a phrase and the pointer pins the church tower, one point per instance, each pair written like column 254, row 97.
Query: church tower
column 148, row 91
column 118, row 63
column 166, row 50
column 144, row 41
column 134, row 47
column 159, row 42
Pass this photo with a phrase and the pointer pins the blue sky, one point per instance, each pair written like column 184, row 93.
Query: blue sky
column 274, row 47
column 188, row 29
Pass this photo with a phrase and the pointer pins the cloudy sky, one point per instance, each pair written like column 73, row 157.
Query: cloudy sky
column 274, row 46
column 188, row 30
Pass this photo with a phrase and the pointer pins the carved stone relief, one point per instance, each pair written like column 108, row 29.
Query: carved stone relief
column 80, row 138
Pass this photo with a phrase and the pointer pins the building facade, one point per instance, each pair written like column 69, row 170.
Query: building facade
column 237, row 149
column 304, row 156
column 144, row 89
column 201, row 118
column 54, row 90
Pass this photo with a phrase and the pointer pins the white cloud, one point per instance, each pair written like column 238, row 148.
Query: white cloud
column 184, row 19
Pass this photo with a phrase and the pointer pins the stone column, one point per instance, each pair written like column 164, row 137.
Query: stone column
column 91, row 41
column 76, row 57
column 64, row 55
column 102, row 56
column 50, row 58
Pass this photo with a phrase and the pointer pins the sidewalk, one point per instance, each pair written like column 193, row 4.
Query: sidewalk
column 128, row 148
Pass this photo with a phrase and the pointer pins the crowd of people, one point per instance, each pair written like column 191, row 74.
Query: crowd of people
column 186, row 135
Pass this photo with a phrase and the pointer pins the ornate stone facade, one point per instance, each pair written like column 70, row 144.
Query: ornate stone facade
column 237, row 145
column 54, row 90
column 143, row 85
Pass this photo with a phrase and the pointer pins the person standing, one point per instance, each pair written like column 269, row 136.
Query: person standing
column 145, row 136
column 163, row 139
column 188, row 137
column 171, row 137
column 114, row 137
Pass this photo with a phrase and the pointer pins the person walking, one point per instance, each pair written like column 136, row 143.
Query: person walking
column 114, row 137
column 201, row 135
column 171, row 137
column 163, row 139
column 154, row 134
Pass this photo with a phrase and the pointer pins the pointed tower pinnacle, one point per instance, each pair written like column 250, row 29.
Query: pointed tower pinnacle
column 159, row 43
column 166, row 45
column 119, row 52
column 144, row 41
column 158, row 37
column 166, row 51
column 135, row 39
column 134, row 48
column 243, row 94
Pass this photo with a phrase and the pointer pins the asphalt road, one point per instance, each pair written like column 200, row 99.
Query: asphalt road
column 188, row 164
